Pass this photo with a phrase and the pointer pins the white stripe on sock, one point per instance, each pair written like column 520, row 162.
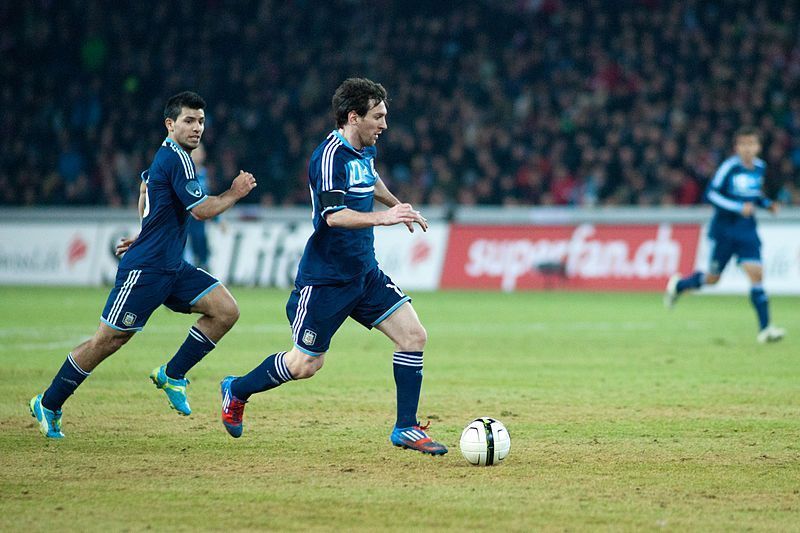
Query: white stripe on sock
column 75, row 365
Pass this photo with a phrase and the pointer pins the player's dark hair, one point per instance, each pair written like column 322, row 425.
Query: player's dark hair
column 356, row 94
column 186, row 99
column 747, row 131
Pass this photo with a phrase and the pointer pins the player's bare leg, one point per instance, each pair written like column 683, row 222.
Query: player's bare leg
column 301, row 365
column 676, row 285
column 404, row 328
column 105, row 341
column 220, row 312
column 767, row 332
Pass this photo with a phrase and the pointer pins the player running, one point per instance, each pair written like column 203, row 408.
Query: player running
column 338, row 275
column 735, row 191
column 152, row 271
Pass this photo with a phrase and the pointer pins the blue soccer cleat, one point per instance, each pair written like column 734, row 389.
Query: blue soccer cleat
column 49, row 421
column 415, row 438
column 174, row 388
column 232, row 408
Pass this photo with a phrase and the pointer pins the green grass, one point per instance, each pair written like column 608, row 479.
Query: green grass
column 623, row 416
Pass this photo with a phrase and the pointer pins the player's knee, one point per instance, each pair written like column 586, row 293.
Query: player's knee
column 232, row 314
column 303, row 366
column 711, row 279
column 414, row 339
column 227, row 313
column 108, row 344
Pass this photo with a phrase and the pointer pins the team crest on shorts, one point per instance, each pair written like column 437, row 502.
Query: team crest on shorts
column 309, row 337
column 129, row 319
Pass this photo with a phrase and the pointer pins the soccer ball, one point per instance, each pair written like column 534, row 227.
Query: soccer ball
column 485, row 442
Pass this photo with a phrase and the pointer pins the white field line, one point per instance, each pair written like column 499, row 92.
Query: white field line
column 42, row 346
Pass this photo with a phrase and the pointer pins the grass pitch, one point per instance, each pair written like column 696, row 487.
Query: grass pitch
column 622, row 416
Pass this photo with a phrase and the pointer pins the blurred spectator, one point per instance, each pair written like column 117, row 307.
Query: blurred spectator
column 505, row 103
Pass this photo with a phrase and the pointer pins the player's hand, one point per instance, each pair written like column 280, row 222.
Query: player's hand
column 243, row 184
column 123, row 245
column 406, row 214
column 775, row 207
column 747, row 209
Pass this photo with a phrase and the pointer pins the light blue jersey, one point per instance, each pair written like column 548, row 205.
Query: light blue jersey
column 734, row 184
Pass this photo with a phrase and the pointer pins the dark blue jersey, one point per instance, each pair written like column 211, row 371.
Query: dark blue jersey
column 733, row 185
column 337, row 170
column 172, row 190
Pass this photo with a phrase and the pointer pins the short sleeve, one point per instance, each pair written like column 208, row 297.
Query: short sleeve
column 184, row 182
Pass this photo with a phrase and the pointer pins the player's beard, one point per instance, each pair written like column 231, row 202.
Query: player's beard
column 370, row 140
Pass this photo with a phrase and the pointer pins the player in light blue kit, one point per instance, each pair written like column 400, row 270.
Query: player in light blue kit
column 735, row 191
column 338, row 275
column 152, row 272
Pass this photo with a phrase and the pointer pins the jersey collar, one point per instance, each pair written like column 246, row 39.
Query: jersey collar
column 173, row 143
column 346, row 143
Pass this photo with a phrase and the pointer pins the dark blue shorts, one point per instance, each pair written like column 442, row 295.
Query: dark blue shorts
column 137, row 293
column 317, row 311
column 727, row 242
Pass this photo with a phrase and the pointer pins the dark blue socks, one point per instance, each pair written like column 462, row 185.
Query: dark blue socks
column 193, row 349
column 268, row 375
column 760, row 301
column 408, row 378
column 694, row 281
column 68, row 378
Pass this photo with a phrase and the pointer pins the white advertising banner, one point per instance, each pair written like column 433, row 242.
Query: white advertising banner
column 780, row 254
column 266, row 254
column 413, row 260
column 262, row 254
column 48, row 254
column 257, row 253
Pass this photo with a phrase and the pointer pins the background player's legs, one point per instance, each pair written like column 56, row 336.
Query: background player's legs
column 405, row 330
column 758, row 297
column 81, row 361
column 721, row 252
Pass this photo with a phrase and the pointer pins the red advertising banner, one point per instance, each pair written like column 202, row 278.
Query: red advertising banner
column 638, row 257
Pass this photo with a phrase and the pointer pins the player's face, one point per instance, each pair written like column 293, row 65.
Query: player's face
column 747, row 147
column 370, row 126
column 188, row 128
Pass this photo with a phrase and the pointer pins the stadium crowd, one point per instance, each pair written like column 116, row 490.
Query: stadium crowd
column 543, row 102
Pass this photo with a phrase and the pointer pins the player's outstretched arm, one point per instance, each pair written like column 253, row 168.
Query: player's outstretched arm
column 399, row 214
column 214, row 205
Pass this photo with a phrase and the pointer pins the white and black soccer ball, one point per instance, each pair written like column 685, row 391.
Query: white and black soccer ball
column 485, row 442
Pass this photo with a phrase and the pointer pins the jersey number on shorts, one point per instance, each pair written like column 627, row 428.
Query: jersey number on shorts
column 395, row 288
